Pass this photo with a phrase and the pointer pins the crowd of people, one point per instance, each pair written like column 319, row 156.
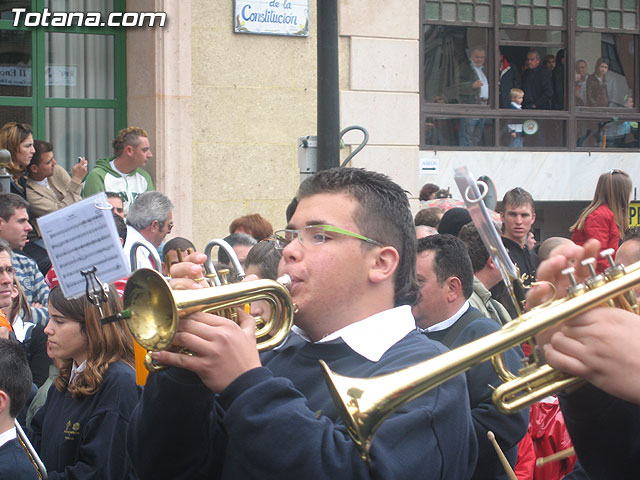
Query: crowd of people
column 535, row 82
column 376, row 290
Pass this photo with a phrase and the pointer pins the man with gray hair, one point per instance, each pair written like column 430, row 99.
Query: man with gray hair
column 150, row 220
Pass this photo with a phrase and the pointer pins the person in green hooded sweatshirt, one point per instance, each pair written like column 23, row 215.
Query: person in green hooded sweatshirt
column 123, row 173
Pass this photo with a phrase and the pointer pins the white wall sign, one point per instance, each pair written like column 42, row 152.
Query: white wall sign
column 428, row 166
column 272, row 17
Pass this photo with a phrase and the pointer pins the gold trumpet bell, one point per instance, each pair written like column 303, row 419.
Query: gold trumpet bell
column 352, row 413
column 152, row 309
column 153, row 313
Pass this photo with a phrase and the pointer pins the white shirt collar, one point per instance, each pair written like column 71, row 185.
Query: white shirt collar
column 448, row 322
column 374, row 335
column 7, row 436
column 76, row 369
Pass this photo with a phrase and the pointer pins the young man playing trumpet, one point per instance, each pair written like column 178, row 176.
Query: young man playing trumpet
column 227, row 412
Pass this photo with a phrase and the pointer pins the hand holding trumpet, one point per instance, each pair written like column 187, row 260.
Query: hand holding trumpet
column 222, row 350
column 598, row 345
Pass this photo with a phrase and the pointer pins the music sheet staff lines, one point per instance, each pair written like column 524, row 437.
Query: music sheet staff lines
column 82, row 236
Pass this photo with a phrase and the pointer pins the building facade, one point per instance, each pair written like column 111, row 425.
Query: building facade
column 224, row 109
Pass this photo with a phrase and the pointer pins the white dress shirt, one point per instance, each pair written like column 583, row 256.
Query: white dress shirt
column 374, row 335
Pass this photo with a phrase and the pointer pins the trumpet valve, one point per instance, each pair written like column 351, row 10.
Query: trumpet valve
column 595, row 280
column 575, row 288
column 608, row 254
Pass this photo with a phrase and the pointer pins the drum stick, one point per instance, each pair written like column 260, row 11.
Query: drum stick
column 561, row 455
column 503, row 459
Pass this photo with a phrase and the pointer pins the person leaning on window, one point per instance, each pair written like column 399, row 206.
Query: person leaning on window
column 18, row 139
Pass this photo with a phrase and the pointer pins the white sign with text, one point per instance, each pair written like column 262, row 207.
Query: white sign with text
column 272, row 17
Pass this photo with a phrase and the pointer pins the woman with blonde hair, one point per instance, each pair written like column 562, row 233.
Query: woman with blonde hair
column 80, row 431
column 18, row 139
column 606, row 217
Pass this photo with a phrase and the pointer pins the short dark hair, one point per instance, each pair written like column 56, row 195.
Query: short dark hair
column 113, row 195
column 40, row 147
column 9, row 203
column 291, row 209
column 383, row 215
column 478, row 253
column 427, row 190
column 265, row 257
column 235, row 239
column 15, row 376
column 177, row 242
column 121, row 226
column 517, row 197
column 429, row 216
column 451, row 260
column 632, row 234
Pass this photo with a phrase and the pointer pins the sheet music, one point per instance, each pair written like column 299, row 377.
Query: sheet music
column 80, row 236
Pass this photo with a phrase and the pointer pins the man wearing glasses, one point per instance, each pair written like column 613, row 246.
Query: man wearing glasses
column 350, row 252
column 150, row 220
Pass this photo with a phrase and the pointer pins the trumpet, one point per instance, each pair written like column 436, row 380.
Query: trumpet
column 212, row 274
column 35, row 460
column 153, row 253
column 152, row 309
column 365, row 403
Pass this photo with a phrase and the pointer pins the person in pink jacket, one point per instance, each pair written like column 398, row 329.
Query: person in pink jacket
column 606, row 217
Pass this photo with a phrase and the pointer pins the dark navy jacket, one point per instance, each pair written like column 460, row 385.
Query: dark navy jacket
column 508, row 429
column 85, row 438
column 279, row 421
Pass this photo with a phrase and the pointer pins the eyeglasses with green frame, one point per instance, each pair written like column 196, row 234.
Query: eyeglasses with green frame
column 315, row 235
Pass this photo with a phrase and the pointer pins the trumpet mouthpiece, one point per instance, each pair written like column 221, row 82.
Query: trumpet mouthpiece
column 285, row 281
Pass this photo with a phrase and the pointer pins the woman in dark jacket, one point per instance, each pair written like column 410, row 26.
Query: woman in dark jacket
column 80, row 431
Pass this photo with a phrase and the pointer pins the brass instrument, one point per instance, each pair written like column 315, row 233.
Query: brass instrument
column 152, row 309
column 211, row 273
column 168, row 261
column 41, row 470
column 364, row 403
column 133, row 259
